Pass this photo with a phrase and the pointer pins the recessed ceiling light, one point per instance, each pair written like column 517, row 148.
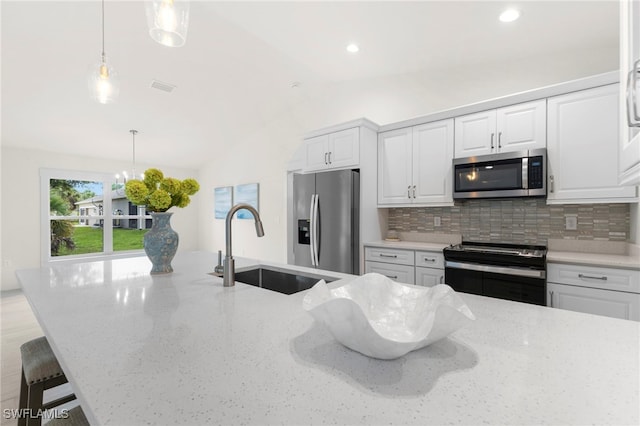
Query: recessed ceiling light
column 509, row 15
column 353, row 48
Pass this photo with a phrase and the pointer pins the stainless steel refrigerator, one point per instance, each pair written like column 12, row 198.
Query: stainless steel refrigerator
column 326, row 211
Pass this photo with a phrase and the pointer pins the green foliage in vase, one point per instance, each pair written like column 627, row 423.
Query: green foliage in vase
column 159, row 193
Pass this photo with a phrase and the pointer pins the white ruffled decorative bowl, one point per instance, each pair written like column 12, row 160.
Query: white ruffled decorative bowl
column 384, row 319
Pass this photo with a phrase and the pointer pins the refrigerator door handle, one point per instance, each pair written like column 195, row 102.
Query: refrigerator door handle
column 312, row 236
column 316, row 261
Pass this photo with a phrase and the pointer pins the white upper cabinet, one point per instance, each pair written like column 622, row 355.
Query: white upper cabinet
column 414, row 165
column 432, row 159
column 315, row 150
column 512, row 128
column 583, row 133
column 475, row 134
column 522, row 126
column 395, row 162
column 333, row 151
column 629, row 152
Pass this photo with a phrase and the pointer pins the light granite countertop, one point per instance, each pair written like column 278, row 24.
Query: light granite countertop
column 407, row 245
column 182, row 349
column 626, row 261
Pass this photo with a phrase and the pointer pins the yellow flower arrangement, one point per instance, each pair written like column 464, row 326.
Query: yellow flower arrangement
column 159, row 193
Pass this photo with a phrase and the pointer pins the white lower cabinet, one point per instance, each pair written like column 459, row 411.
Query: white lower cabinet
column 610, row 292
column 428, row 277
column 616, row 304
column 399, row 273
column 425, row 268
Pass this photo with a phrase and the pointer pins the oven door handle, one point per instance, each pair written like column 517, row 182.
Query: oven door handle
column 520, row 272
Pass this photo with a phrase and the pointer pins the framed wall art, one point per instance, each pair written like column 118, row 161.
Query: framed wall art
column 223, row 200
column 249, row 194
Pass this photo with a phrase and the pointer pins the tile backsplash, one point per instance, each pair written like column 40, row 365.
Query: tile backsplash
column 517, row 220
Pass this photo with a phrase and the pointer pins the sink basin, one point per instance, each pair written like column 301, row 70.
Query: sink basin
column 280, row 280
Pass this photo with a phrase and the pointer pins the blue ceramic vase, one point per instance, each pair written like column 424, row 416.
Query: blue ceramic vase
column 161, row 243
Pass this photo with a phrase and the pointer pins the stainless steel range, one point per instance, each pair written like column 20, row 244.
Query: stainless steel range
column 505, row 271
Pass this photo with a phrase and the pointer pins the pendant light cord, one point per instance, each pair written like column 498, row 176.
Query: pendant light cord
column 103, row 55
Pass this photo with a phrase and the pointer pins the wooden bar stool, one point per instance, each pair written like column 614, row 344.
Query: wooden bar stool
column 40, row 371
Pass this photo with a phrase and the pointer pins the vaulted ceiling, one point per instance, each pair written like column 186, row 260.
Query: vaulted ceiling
column 240, row 60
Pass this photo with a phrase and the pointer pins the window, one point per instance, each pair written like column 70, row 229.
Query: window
column 86, row 214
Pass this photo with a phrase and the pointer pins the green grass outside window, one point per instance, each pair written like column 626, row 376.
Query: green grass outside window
column 89, row 240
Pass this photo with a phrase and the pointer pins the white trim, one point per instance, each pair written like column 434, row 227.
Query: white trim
column 517, row 98
column 360, row 122
column 107, row 228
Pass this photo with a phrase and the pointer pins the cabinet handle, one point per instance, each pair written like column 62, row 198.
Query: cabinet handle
column 329, row 157
column 393, row 277
column 499, row 140
column 441, row 279
column 590, row 277
column 492, row 134
column 551, row 183
column 551, row 299
column 426, row 259
column 392, row 256
column 633, row 117
column 414, row 191
column 409, row 191
column 325, row 158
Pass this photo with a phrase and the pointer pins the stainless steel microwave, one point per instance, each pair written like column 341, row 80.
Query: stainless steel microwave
column 509, row 174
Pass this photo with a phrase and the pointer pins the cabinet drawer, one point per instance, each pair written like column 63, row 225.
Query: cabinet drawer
column 428, row 277
column 616, row 304
column 594, row 277
column 400, row 257
column 398, row 273
column 430, row 259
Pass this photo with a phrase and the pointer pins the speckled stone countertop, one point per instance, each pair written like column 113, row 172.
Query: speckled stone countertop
column 407, row 245
column 595, row 253
column 625, row 261
column 182, row 349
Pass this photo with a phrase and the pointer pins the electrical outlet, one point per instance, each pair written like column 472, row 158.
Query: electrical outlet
column 571, row 223
column 436, row 221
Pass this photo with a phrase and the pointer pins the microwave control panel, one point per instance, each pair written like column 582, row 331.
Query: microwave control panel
column 536, row 172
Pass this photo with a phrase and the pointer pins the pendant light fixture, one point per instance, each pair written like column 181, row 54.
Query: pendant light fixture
column 103, row 81
column 125, row 175
column 168, row 21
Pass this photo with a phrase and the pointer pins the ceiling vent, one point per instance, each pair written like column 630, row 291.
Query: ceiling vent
column 165, row 87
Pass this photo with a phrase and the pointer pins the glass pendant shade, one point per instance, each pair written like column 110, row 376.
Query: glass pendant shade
column 168, row 21
column 104, row 83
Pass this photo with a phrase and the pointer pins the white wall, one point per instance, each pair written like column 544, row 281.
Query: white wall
column 20, row 208
column 262, row 156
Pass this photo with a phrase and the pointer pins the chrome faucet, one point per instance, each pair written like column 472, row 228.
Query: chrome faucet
column 229, row 278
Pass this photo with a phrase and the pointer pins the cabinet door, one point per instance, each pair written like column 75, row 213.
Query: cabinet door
column 344, row 149
column 397, row 273
column 615, row 279
column 582, row 150
column 629, row 164
column 475, row 134
column 428, row 277
column 616, row 304
column 387, row 255
column 315, row 150
column 394, row 167
column 432, row 156
column 522, row 126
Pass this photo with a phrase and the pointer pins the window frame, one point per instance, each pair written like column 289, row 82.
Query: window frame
column 107, row 217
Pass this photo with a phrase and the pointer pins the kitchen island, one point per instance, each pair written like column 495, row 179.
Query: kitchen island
column 182, row 349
